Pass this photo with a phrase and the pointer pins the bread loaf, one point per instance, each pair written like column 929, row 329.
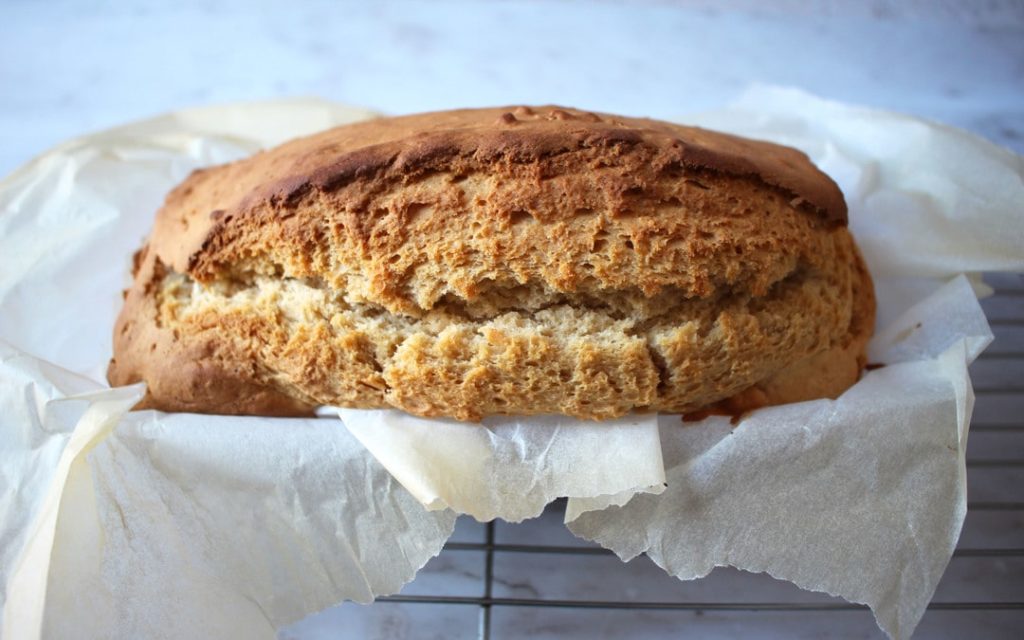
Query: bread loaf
column 499, row 261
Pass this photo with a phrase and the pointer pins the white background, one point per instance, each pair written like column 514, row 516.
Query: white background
column 67, row 68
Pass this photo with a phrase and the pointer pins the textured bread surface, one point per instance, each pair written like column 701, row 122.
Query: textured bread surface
column 499, row 261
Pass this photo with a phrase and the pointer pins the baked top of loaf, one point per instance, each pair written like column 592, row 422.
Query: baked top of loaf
column 514, row 260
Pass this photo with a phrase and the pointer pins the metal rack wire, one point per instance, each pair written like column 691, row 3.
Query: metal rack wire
column 486, row 601
column 992, row 544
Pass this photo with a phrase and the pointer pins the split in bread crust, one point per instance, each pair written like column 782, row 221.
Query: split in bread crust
column 499, row 261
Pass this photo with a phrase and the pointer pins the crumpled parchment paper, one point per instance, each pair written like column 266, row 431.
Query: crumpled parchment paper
column 118, row 524
column 513, row 467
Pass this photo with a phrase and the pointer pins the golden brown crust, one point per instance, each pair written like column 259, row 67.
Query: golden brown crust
column 498, row 261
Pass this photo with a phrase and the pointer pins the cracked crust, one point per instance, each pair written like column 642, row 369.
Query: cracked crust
column 499, row 261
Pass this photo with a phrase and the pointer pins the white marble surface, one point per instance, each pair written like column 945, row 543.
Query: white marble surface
column 67, row 68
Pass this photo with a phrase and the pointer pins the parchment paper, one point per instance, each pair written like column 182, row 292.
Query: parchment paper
column 862, row 497
column 145, row 524
column 512, row 467
column 188, row 526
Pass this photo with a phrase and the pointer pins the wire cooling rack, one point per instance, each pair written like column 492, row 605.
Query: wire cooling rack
column 536, row 580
